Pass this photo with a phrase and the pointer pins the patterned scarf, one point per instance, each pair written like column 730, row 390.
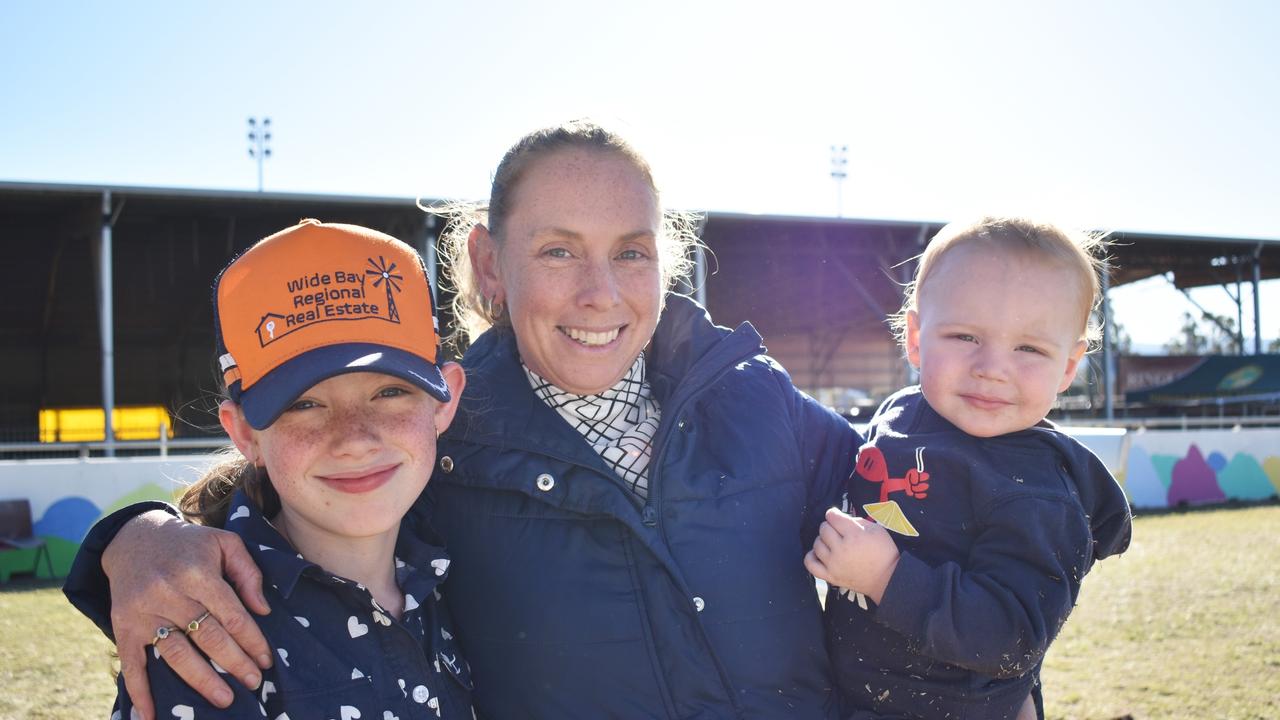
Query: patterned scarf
column 619, row 423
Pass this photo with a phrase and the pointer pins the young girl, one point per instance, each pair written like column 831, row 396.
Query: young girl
column 327, row 341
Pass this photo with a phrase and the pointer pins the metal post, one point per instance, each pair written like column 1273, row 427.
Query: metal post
column 259, row 136
column 1108, row 354
column 106, row 327
column 839, row 171
column 1239, row 311
column 1257, row 313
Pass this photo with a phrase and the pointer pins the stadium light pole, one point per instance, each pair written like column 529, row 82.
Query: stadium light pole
column 259, row 137
column 839, row 171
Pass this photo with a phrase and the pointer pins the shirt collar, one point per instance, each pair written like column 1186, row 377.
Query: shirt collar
column 420, row 566
column 280, row 564
column 615, row 407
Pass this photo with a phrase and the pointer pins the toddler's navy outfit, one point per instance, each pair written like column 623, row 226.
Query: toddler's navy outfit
column 995, row 536
column 338, row 653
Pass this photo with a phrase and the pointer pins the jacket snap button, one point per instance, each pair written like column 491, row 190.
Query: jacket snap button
column 698, row 604
column 446, row 464
column 650, row 516
column 545, row 482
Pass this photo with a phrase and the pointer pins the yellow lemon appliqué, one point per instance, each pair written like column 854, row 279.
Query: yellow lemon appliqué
column 891, row 517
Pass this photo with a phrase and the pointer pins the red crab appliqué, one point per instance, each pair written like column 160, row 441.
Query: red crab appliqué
column 872, row 466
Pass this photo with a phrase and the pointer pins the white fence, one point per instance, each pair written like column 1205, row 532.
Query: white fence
column 1158, row 468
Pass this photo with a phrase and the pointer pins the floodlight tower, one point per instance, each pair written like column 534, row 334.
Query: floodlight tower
column 839, row 171
column 259, row 137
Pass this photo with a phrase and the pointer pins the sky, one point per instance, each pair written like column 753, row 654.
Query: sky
column 1144, row 115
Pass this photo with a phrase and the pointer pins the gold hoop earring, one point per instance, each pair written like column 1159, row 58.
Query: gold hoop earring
column 491, row 306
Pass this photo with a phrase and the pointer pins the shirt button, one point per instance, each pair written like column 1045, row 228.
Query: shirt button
column 446, row 464
column 421, row 694
column 545, row 482
column 699, row 604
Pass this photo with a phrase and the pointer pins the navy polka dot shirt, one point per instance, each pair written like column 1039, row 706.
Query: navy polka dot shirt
column 338, row 654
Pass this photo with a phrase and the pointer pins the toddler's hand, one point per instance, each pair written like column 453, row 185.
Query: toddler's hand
column 854, row 553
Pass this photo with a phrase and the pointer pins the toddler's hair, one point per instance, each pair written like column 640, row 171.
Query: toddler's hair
column 1082, row 252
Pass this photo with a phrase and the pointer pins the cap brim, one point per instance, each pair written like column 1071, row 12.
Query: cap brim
column 277, row 390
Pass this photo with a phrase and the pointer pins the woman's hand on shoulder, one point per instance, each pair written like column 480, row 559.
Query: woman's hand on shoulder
column 166, row 573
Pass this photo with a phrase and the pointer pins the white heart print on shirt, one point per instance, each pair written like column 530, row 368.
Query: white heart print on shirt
column 356, row 628
column 348, row 713
column 440, row 565
column 183, row 712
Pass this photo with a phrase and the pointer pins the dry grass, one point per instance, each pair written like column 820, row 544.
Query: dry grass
column 1184, row 625
column 54, row 664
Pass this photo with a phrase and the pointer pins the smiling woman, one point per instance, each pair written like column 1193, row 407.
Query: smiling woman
column 582, row 300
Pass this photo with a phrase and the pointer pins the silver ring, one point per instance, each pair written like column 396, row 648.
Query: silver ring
column 194, row 625
column 162, row 632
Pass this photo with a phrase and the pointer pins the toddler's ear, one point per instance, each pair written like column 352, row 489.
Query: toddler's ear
column 912, row 340
column 1073, row 361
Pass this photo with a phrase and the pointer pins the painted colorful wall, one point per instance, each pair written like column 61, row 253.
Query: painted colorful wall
column 1168, row 468
column 1158, row 469
column 68, row 496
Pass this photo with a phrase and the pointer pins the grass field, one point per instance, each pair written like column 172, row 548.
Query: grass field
column 1184, row 625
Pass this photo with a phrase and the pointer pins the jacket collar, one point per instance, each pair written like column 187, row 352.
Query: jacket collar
column 688, row 348
column 499, row 408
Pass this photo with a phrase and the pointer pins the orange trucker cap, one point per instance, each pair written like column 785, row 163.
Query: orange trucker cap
column 318, row 300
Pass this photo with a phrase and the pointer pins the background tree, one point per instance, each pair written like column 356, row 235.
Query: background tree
column 1120, row 336
column 1209, row 335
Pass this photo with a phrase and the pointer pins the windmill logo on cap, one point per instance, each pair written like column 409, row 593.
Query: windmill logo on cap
column 385, row 275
